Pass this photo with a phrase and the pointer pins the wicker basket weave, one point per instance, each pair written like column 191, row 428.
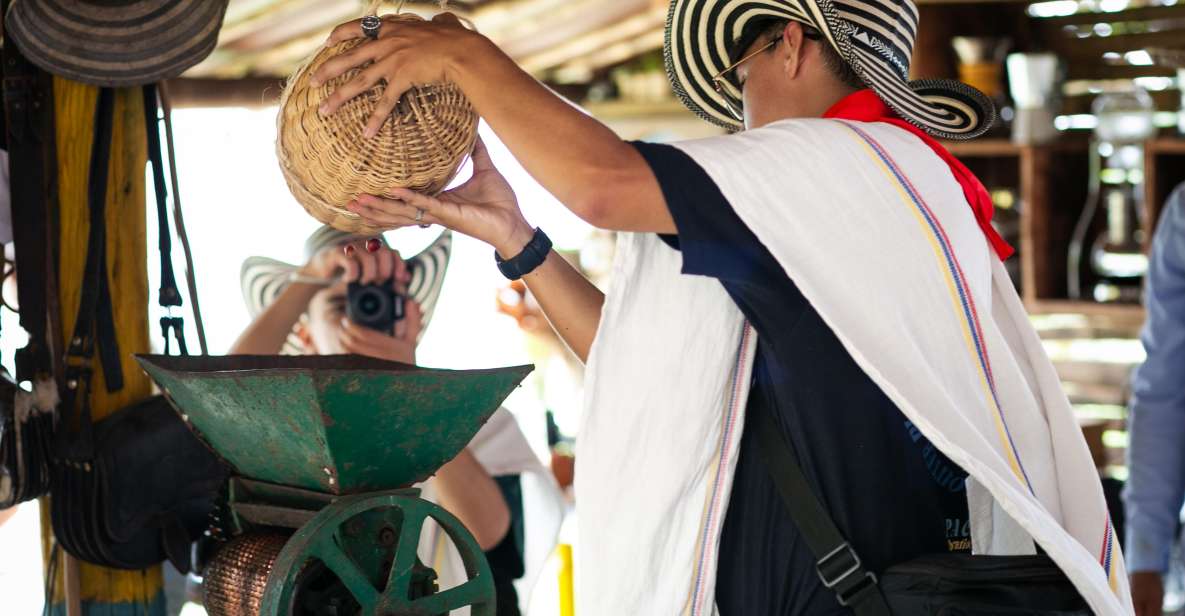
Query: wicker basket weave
column 327, row 161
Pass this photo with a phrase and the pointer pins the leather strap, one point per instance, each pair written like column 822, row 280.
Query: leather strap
column 170, row 295
column 836, row 562
column 179, row 221
column 95, row 325
column 28, row 110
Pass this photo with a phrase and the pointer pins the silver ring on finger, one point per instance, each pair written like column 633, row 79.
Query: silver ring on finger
column 371, row 24
column 420, row 219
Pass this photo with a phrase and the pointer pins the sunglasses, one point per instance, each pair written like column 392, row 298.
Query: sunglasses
column 720, row 79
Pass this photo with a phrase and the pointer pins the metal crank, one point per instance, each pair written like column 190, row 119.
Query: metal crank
column 357, row 556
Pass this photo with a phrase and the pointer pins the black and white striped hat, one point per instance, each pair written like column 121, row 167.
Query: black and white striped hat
column 263, row 279
column 875, row 37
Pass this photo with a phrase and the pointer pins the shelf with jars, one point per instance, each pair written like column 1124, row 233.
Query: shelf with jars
column 1076, row 165
column 1081, row 213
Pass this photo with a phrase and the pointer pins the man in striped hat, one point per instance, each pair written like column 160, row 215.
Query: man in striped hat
column 823, row 284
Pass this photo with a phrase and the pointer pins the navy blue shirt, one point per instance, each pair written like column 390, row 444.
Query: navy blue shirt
column 506, row 558
column 890, row 492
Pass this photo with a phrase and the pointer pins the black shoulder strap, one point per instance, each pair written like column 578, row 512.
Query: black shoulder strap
column 170, row 296
column 28, row 110
column 836, row 563
column 95, row 325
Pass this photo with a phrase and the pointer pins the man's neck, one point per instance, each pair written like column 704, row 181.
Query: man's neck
column 811, row 102
column 820, row 99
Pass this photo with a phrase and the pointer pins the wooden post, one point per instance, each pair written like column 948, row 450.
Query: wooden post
column 107, row 591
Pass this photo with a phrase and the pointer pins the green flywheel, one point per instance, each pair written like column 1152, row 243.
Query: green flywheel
column 358, row 556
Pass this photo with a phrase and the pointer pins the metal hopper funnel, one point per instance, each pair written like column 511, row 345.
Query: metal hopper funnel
column 332, row 424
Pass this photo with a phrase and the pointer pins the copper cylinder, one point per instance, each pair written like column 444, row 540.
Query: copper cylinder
column 236, row 577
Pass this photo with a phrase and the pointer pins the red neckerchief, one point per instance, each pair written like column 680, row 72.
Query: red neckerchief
column 865, row 106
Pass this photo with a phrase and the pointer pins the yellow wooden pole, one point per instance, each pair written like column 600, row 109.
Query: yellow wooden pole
column 104, row 591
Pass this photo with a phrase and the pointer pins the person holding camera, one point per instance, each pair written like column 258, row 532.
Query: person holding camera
column 356, row 295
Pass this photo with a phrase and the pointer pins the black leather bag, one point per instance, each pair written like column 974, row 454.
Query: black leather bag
column 966, row 585
column 931, row 585
column 144, row 496
column 24, row 449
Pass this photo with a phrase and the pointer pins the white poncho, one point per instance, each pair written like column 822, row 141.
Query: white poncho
column 876, row 233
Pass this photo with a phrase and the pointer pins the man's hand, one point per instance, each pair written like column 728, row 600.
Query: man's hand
column 484, row 207
column 1147, row 593
column 408, row 52
column 400, row 347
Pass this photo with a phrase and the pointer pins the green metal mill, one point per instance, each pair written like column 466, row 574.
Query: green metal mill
column 320, row 518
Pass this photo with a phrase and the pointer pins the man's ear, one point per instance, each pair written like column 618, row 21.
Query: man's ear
column 792, row 44
column 301, row 329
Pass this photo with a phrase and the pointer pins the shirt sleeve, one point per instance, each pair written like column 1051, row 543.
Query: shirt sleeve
column 1156, row 453
column 713, row 239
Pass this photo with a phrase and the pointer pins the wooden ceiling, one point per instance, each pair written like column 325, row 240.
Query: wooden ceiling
column 569, row 42
column 559, row 40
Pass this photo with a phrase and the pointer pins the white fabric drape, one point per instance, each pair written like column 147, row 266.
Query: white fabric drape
column 876, row 233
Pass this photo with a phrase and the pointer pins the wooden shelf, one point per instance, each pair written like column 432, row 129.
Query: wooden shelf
column 983, row 147
column 1002, row 148
column 1119, row 312
column 1166, row 145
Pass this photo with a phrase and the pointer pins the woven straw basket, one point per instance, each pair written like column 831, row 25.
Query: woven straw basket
column 327, row 161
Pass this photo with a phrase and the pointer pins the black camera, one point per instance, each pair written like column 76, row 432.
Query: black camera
column 376, row 306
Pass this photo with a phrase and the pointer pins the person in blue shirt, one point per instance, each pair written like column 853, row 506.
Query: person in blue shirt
column 1156, row 454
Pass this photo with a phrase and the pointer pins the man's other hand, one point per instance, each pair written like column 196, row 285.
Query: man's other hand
column 1147, row 593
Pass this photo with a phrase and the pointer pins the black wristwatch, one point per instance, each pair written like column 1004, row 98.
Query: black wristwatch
column 525, row 262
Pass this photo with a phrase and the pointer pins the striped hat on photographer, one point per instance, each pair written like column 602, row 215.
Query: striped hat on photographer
column 263, row 279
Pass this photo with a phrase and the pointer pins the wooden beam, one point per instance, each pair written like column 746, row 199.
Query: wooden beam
column 240, row 11
column 614, row 54
column 294, row 19
column 272, row 40
column 595, row 41
column 1087, row 70
column 248, row 92
column 564, row 23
